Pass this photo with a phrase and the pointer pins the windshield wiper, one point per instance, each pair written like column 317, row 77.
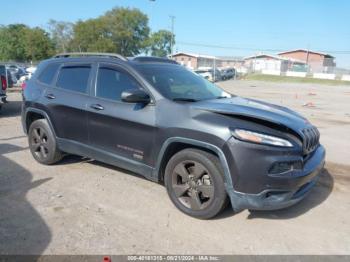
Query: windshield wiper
column 185, row 99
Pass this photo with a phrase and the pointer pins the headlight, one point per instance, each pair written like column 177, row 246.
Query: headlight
column 258, row 138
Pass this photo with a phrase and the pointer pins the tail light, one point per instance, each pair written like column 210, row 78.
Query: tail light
column 24, row 85
column 3, row 83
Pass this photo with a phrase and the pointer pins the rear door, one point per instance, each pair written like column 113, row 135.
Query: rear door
column 66, row 101
column 123, row 129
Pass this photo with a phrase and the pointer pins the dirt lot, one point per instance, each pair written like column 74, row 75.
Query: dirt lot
column 85, row 207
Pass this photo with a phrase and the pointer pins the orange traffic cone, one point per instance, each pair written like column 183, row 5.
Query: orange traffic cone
column 107, row 259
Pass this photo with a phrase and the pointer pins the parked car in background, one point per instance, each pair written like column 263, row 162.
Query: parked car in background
column 20, row 72
column 4, row 84
column 11, row 78
column 13, row 67
column 16, row 72
column 24, row 78
column 29, row 71
column 216, row 75
column 204, row 73
column 208, row 73
column 227, row 73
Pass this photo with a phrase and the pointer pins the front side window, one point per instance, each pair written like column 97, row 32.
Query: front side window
column 74, row 78
column 177, row 83
column 111, row 83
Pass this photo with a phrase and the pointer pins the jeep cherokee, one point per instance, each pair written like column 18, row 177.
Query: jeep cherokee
column 154, row 117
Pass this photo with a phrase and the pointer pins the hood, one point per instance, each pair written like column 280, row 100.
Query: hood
column 238, row 106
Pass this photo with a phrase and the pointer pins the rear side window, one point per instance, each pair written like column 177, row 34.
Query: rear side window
column 48, row 74
column 74, row 78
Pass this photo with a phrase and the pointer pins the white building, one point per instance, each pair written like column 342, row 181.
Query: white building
column 272, row 64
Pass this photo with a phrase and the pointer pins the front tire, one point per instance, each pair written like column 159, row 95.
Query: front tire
column 195, row 183
column 42, row 143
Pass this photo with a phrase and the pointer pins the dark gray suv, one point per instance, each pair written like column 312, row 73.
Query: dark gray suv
column 156, row 118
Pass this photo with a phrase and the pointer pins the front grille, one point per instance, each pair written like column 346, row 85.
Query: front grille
column 311, row 139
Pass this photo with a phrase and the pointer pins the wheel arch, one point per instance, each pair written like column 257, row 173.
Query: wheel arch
column 33, row 114
column 175, row 144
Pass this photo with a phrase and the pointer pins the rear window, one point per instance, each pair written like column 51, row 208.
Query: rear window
column 48, row 74
column 74, row 78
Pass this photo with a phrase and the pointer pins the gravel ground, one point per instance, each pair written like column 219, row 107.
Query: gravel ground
column 81, row 206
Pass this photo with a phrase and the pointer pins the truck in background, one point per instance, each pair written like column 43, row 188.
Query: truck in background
column 4, row 84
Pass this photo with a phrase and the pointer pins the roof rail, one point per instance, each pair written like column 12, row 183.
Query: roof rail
column 77, row 54
column 153, row 59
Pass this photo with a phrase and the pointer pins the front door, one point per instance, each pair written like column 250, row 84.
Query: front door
column 126, row 130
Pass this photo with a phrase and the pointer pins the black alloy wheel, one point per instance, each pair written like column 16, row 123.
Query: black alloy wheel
column 39, row 144
column 195, row 183
column 42, row 143
column 192, row 185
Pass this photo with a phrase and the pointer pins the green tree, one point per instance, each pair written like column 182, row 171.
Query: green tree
column 121, row 30
column 61, row 34
column 128, row 29
column 92, row 36
column 12, row 42
column 20, row 43
column 160, row 43
column 37, row 44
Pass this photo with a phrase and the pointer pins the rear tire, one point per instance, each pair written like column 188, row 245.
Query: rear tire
column 195, row 183
column 42, row 143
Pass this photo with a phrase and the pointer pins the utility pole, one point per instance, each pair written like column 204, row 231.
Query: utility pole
column 151, row 11
column 214, row 70
column 307, row 58
column 172, row 35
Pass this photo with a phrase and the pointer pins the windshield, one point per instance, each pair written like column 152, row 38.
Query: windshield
column 177, row 83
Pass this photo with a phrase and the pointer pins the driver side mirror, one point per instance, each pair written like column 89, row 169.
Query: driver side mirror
column 135, row 96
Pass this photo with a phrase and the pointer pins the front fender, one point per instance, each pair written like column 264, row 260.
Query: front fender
column 200, row 144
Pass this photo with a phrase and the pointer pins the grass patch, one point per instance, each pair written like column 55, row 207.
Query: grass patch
column 290, row 79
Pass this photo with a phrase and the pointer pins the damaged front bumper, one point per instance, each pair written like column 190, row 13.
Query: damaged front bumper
column 291, row 190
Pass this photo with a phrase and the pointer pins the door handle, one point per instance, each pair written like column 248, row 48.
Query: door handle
column 50, row 96
column 97, row 107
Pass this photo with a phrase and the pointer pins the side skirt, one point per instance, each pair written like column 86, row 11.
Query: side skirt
column 73, row 147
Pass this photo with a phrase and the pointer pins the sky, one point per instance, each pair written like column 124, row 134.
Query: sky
column 226, row 27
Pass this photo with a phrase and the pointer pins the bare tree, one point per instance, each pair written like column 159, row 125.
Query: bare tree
column 61, row 34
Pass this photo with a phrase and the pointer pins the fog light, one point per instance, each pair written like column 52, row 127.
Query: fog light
column 283, row 167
